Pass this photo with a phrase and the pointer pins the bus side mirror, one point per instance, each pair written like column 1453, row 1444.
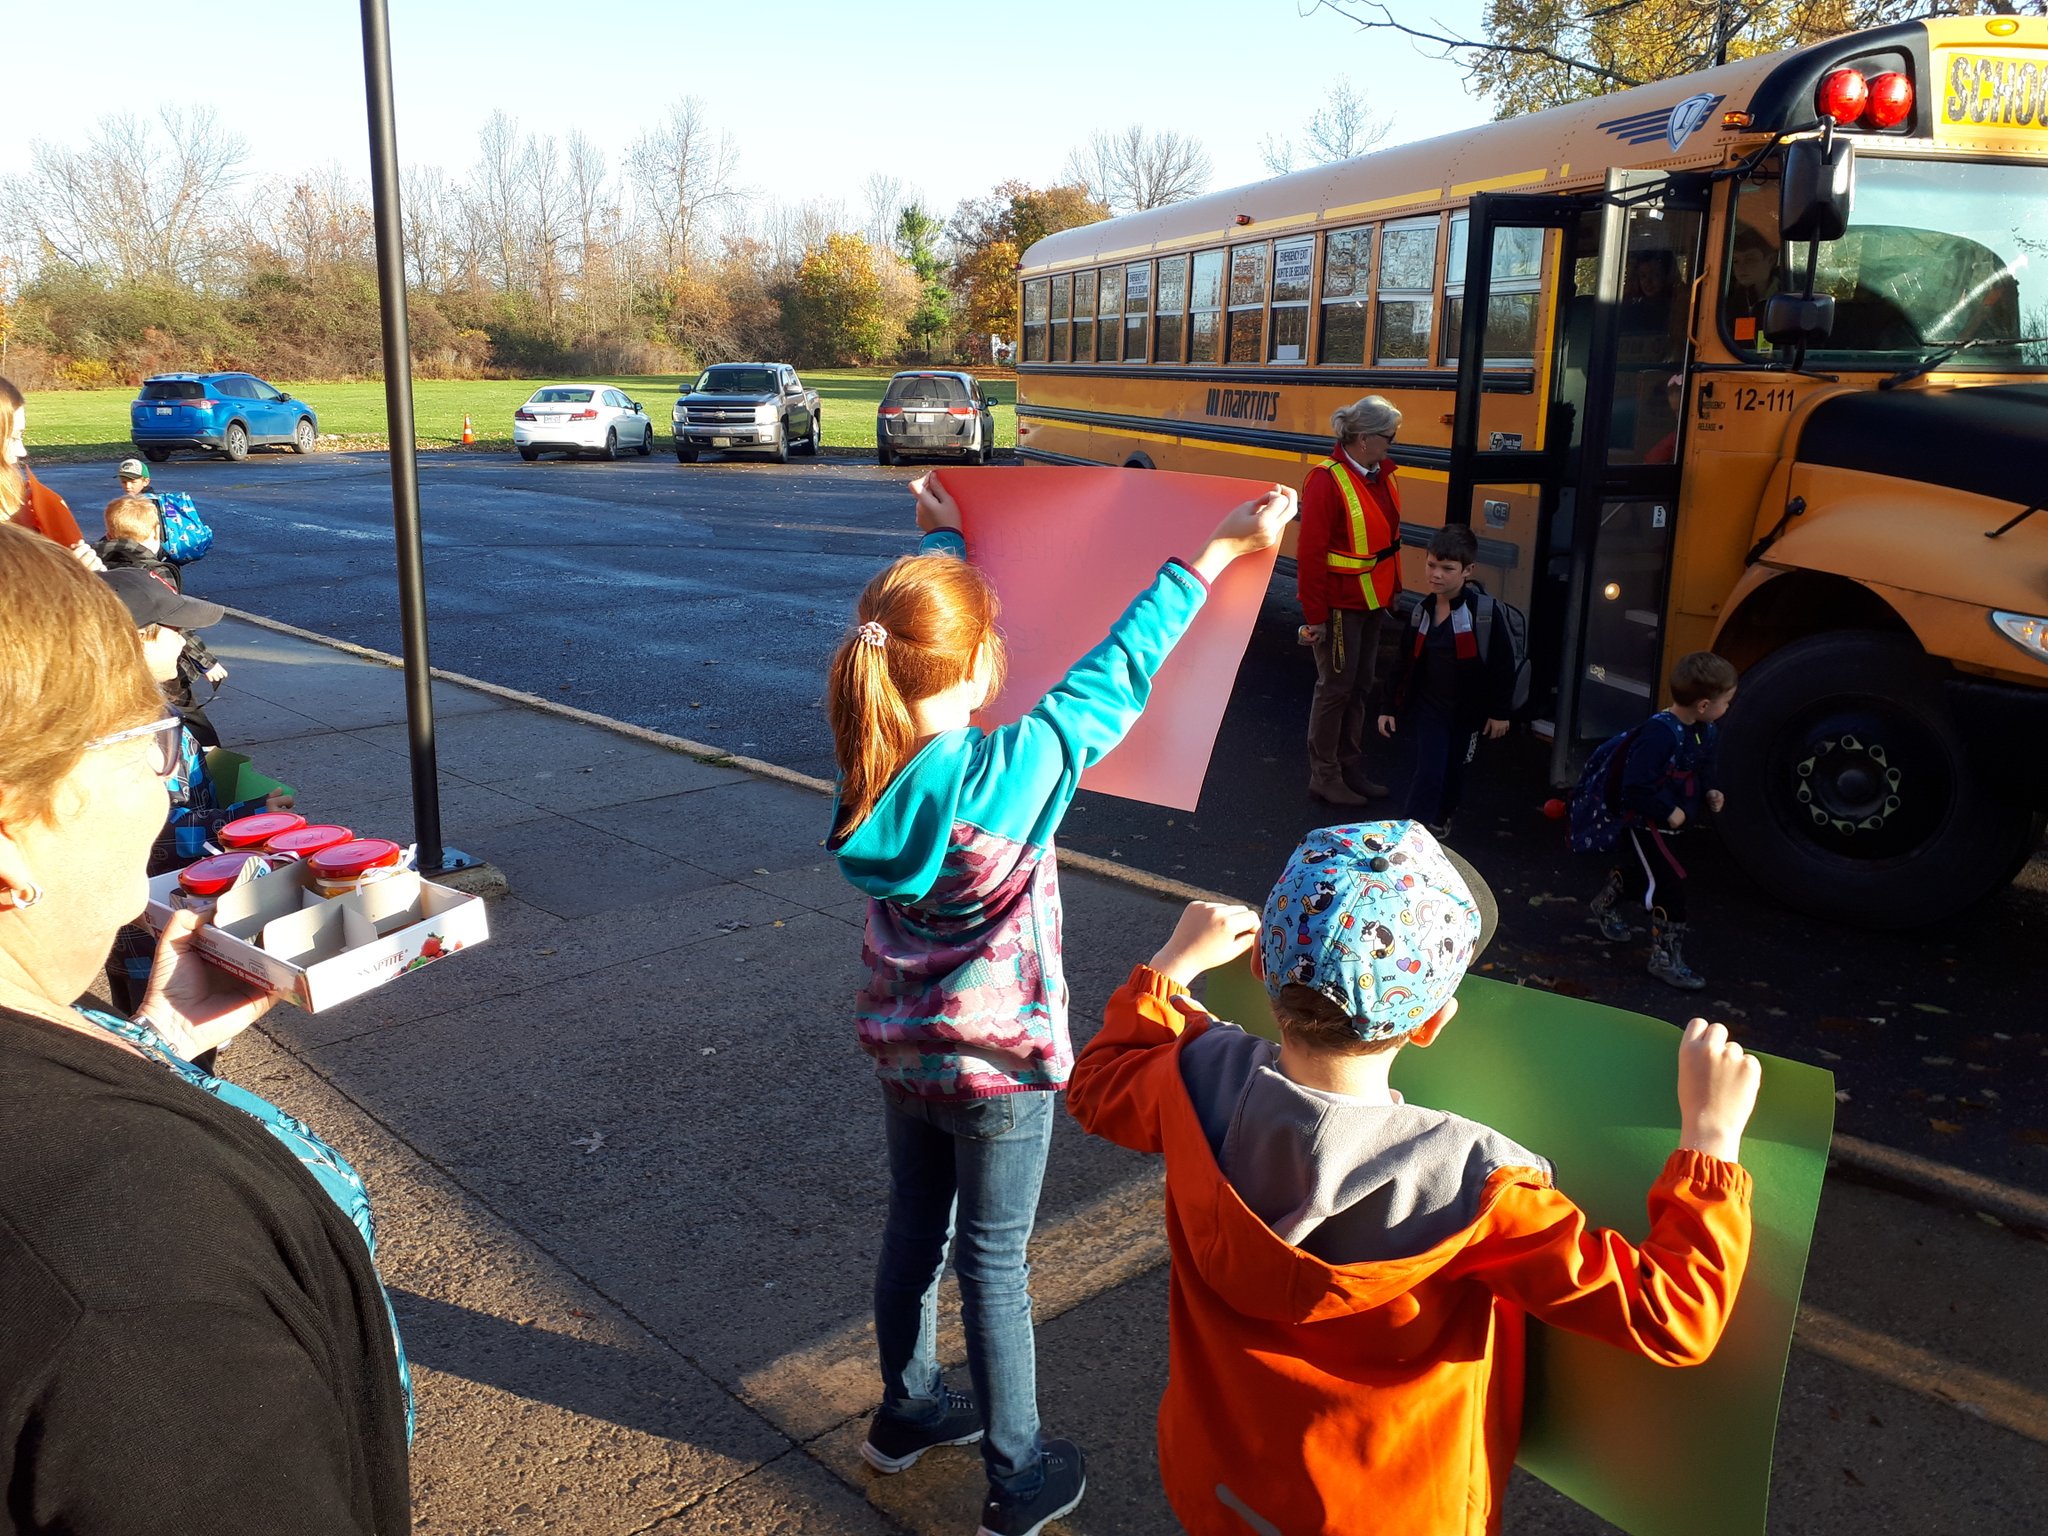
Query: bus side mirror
column 1819, row 181
column 1798, row 319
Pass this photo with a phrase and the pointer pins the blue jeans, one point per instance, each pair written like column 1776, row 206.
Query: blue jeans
column 1442, row 752
column 985, row 1159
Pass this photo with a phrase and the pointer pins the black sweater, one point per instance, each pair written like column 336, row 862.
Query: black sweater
column 192, row 1335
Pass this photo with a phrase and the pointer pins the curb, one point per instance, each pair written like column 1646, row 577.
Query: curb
column 1850, row 1157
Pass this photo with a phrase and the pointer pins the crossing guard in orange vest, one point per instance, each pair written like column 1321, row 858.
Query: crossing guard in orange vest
column 1348, row 575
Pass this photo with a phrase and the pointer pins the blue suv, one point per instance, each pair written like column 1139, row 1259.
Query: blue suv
column 226, row 413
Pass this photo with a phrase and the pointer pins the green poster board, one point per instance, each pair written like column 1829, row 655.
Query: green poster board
column 234, row 781
column 1655, row 1450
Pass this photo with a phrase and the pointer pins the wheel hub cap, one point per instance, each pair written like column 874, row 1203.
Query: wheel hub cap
column 1849, row 785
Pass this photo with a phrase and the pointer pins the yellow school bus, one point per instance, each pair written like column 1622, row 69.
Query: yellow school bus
column 1750, row 360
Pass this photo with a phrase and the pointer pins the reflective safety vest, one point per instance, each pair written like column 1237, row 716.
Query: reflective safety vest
column 1377, row 585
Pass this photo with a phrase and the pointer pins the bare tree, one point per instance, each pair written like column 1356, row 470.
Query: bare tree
column 315, row 221
column 683, row 170
column 882, row 197
column 143, row 198
column 546, row 197
column 494, row 197
column 1134, row 169
column 1341, row 128
column 427, row 203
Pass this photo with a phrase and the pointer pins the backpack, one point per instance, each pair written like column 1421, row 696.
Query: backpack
column 1595, row 820
column 1517, row 624
column 186, row 536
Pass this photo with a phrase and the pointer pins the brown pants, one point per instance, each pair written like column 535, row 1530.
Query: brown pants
column 1336, row 718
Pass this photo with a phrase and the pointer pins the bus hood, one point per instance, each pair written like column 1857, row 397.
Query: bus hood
column 1868, row 465
column 1991, row 440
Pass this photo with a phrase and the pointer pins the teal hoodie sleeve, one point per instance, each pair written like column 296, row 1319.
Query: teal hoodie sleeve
column 1025, row 774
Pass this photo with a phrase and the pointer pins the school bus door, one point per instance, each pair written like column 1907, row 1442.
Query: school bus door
column 1621, row 262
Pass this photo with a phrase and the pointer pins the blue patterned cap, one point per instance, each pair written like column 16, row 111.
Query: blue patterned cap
column 1379, row 918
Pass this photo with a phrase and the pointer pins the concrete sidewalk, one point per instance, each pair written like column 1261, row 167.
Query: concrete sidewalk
column 627, row 1165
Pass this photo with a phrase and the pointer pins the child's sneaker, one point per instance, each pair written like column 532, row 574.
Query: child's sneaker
column 1066, row 1479
column 894, row 1446
column 1667, row 957
column 1612, row 924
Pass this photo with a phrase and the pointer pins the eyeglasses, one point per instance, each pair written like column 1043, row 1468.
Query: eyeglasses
column 163, row 735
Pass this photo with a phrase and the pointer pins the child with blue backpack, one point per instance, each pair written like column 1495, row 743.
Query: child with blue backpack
column 1636, row 793
column 948, row 830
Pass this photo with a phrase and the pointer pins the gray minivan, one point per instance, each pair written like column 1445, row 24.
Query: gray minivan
column 926, row 413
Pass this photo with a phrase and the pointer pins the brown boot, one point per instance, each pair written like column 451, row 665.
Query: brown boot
column 1355, row 778
column 1335, row 792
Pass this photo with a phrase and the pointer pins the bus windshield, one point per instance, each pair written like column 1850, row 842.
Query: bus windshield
column 1938, row 254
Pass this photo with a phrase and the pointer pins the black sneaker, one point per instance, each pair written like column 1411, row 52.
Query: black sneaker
column 1066, row 1479
column 894, row 1446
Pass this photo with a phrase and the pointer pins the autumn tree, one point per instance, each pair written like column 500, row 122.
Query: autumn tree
column 989, row 236
column 1532, row 54
column 838, row 309
column 1136, row 168
column 1338, row 130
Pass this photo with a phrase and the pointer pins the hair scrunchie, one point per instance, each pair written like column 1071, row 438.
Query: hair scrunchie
column 872, row 633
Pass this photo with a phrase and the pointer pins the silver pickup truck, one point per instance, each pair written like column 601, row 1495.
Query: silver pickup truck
column 747, row 407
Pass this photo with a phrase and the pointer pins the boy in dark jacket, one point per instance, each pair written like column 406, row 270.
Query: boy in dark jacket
column 1667, row 775
column 1454, row 677
column 134, row 542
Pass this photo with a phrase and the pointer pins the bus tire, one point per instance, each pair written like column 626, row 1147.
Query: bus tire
column 1850, row 792
column 1140, row 461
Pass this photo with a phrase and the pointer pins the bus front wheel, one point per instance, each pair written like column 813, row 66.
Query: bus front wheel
column 1850, row 793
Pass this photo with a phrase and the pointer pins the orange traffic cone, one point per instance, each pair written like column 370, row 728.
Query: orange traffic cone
column 468, row 431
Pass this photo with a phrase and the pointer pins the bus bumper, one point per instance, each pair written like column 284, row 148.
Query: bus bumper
column 1994, row 720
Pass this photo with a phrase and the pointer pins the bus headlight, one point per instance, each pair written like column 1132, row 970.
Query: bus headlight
column 2026, row 630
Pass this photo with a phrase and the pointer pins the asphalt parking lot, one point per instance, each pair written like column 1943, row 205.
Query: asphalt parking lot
column 702, row 600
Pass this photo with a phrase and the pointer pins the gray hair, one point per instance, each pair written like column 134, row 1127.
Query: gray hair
column 1367, row 417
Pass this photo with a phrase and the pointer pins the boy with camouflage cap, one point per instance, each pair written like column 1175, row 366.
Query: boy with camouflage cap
column 1350, row 1271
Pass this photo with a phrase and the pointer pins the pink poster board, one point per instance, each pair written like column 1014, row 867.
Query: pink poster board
column 1067, row 550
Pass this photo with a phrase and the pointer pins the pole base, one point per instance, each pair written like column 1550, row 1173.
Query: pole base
column 465, row 872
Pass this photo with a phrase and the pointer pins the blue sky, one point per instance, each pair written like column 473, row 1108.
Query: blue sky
column 981, row 92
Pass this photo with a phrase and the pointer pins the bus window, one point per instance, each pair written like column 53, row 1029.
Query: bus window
column 1109, row 329
column 1205, row 299
column 1656, row 298
column 1293, row 266
column 1084, row 317
column 1407, row 290
column 1137, row 309
column 1511, row 307
column 1937, row 254
column 1036, row 296
column 1246, row 339
column 1062, row 298
column 1347, row 286
column 1172, row 302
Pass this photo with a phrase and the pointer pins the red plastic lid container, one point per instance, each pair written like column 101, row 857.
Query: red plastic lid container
column 345, row 861
column 249, row 831
column 209, row 877
column 304, row 840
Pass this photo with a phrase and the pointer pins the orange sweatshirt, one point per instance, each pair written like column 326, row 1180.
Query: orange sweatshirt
column 1307, row 1397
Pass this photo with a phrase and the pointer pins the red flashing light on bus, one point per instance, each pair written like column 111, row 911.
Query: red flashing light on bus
column 1843, row 96
column 1846, row 98
column 1891, row 99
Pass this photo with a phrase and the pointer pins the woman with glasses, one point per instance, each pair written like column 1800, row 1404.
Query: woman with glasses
column 1348, row 572
column 195, row 1336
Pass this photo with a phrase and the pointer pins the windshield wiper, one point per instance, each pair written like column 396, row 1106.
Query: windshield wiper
column 1935, row 359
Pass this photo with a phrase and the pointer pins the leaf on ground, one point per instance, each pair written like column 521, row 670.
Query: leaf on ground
column 1841, row 1095
column 589, row 1143
column 1944, row 1127
column 1930, row 1008
column 1850, row 1474
column 1937, row 1061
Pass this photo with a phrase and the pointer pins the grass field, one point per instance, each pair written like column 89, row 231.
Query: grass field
column 93, row 423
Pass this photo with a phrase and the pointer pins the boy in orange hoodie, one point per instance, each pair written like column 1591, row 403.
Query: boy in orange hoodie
column 1350, row 1271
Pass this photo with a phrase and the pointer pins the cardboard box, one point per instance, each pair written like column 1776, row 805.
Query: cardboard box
column 277, row 933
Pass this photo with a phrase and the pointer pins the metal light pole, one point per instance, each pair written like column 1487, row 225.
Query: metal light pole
column 405, row 478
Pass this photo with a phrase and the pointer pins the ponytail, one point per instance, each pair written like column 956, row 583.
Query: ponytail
column 918, row 627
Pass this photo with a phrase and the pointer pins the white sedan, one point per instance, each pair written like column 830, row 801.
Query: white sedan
column 581, row 418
